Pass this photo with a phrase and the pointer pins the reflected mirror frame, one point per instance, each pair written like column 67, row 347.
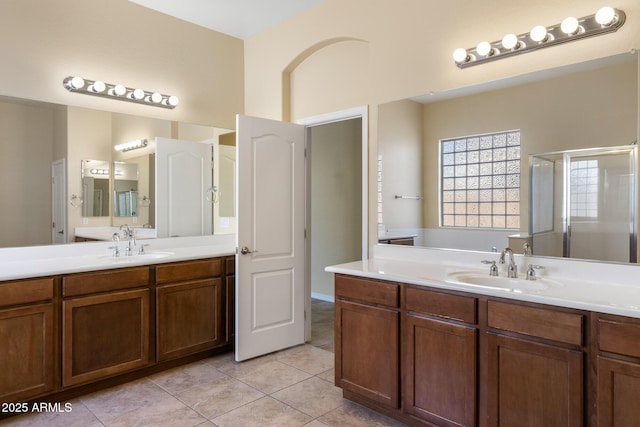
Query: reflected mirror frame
column 102, row 171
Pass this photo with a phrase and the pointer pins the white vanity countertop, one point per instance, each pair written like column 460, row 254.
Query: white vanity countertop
column 594, row 286
column 39, row 261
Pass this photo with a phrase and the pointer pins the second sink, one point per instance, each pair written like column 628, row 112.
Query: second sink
column 499, row 282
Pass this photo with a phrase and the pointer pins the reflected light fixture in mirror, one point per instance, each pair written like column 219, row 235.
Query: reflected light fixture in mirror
column 118, row 91
column 605, row 20
column 131, row 145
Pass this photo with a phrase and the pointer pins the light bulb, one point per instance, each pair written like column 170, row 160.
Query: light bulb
column 570, row 25
column 156, row 97
column 605, row 16
column 510, row 41
column 484, row 48
column 460, row 55
column 77, row 82
column 97, row 87
column 173, row 100
column 137, row 94
column 538, row 33
column 118, row 90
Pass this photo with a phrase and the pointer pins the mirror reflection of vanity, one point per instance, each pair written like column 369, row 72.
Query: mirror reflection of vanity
column 588, row 105
column 80, row 135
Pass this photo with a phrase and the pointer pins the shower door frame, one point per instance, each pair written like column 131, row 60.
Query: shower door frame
column 632, row 152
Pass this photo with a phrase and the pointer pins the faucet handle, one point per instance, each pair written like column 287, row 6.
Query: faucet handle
column 531, row 271
column 141, row 250
column 116, row 251
column 493, row 270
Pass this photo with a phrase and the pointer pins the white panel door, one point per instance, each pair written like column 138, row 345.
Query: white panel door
column 270, row 292
column 183, row 178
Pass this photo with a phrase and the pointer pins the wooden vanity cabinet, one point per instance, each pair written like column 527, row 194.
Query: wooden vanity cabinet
column 26, row 339
column 535, row 365
column 440, row 357
column 367, row 341
column 618, row 370
column 105, row 324
column 189, row 307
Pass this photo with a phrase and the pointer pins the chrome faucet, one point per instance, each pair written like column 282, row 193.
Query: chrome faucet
column 512, row 269
column 131, row 237
column 127, row 230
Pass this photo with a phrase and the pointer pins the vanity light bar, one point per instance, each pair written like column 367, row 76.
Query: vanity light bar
column 118, row 91
column 606, row 20
column 131, row 145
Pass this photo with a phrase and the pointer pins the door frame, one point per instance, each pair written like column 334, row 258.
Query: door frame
column 59, row 199
column 361, row 112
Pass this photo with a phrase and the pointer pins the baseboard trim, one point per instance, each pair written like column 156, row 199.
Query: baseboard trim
column 323, row 297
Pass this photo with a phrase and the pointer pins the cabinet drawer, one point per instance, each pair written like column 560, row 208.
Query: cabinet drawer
column 188, row 270
column 108, row 280
column 449, row 306
column 26, row 291
column 367, row 290
column 619, row 337
column 538, row 322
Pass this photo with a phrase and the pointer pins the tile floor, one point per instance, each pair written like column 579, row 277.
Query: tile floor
column 293, row 387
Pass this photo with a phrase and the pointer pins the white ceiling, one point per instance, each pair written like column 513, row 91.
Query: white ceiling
column 237, row 18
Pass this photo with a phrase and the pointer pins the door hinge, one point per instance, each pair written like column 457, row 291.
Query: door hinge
column 305, row 233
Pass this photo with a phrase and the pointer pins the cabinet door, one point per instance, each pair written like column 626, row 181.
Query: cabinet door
column 440, row 371
column 189, row 317
column 618, row 391
column 26, row 352
column 231, row 308
column 367, row 351
column 104, row 335
column 533, row 384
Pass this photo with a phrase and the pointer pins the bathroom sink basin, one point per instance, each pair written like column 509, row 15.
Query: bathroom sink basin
column 154, row 255
column 500, row 282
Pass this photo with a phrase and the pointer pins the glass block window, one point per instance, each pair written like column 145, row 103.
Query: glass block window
column 480, row 181
column 583, row 182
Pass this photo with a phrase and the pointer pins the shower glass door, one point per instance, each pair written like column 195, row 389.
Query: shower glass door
column 600, row 204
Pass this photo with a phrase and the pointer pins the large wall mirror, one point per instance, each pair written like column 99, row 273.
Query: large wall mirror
column 588, row 105
column 115, row 187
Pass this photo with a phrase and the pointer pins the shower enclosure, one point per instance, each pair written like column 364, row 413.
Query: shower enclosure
column 582, row 203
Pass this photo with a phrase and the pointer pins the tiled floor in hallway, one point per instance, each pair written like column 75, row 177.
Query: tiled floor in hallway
column 293, row 387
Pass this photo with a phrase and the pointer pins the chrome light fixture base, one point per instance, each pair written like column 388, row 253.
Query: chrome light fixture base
column 120, row 92
column 588, row 26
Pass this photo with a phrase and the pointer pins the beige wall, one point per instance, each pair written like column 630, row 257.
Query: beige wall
column 400, row 142
column 410, row 43
column 89, row 137
column 120, row 42
column 26, row 144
